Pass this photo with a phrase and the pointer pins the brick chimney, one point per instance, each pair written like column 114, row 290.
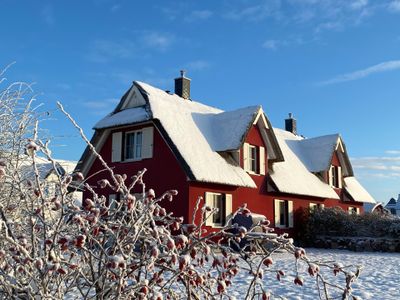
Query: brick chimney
column 291, row 124
column 182, row 86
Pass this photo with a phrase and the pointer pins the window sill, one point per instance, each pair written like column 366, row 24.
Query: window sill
column 253, row 173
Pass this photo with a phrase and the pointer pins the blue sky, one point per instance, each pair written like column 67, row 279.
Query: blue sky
column 334, row 63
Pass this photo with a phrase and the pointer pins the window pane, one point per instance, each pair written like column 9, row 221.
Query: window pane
column 129, row 144
column 218, row 203
column 282, row 213
column 253, row 159
column 334, row 174
column 138, row 145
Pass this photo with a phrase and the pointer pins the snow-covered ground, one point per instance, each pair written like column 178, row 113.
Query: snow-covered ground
column 379, row 279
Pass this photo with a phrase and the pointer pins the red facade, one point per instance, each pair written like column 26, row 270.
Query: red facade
column 166, row 171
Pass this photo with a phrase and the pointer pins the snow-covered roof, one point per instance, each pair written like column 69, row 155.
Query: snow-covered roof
column 292, row 175
column 123, row 117
column 316, row 153
column 45, row 167
column 188, row 125
column 200, row 133
column 226, row 130
column 357, row 191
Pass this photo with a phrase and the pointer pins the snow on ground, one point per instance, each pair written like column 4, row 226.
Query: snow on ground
column 379, row 279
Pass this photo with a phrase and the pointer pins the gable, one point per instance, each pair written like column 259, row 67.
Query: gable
column 132, row 98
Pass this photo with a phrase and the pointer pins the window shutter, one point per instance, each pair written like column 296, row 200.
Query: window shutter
column 147, row 143
column 116, row 146
column 290, row 214
column 330, row 176
column 358, row 210
column 339, row 174
column 228, row 206
column 322, row 206
column 246, row 160
column 277, row 213
column 262, row 160
column 209, row 203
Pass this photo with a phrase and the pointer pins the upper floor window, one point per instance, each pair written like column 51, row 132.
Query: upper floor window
column 132, row 145
column 335, row 176
column 254, row 159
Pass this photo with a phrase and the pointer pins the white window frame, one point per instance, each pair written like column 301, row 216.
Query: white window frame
column 335, row 174
column 313, row 206
column 224, row 214
column 288, row 213
column 352, row 210
column 119, row 145
column 254, row 159
column 136, row 156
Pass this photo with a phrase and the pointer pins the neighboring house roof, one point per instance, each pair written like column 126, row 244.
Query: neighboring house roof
column 292, row 175
column 392, row 202
column 357, row 191
column 45, row 167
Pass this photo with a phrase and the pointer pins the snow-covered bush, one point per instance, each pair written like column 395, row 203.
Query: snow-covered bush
column 337, row 222
column 52, row 247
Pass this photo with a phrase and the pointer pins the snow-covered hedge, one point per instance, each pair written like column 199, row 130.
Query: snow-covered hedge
column 336, row 222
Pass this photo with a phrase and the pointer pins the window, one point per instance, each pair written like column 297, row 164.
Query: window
column 353, row 210
column 223, row 202
column 283, row 213
column 335, row 176
column 254, row 159
column 133, row 145
column 316, row 206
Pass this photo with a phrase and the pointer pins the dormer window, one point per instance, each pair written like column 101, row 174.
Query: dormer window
column 254, row 159
column 335, row 176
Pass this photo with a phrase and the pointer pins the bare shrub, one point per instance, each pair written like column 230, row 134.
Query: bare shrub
column 54, row 247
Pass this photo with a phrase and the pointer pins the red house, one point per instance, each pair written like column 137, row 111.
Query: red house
column 228, row 158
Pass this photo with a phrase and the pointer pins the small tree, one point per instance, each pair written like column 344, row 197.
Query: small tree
column 53, row 247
